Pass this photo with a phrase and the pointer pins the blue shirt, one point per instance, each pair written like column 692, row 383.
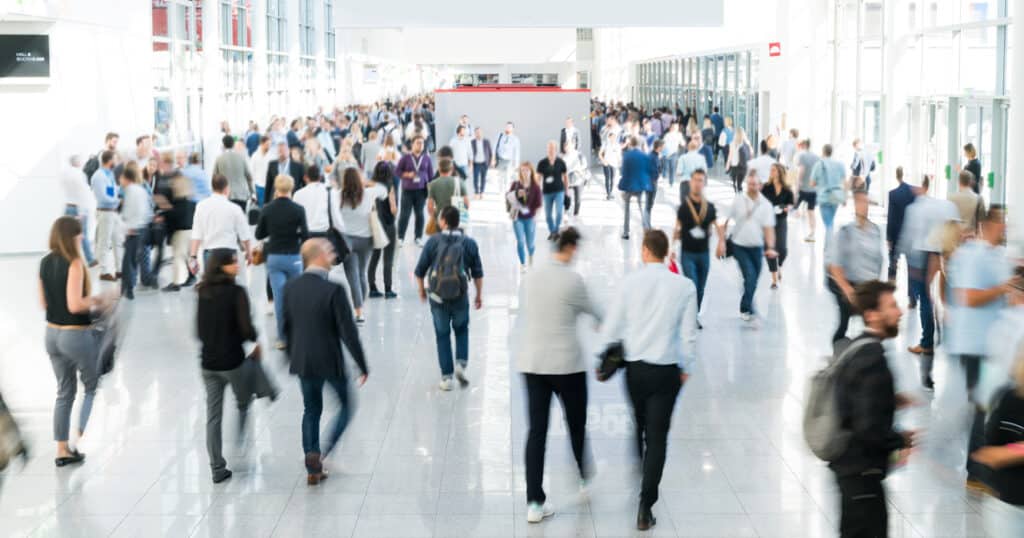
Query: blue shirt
column 200, row 182
column 470, row 255
column 252, row 143
column 718, row 122
column 828, row 175
column 974, row 266
column 104, row 188
column 899, row 198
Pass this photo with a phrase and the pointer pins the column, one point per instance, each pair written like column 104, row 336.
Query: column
column 1015, row 164
column 292, row 100
column 260, row 71
column 213, row 83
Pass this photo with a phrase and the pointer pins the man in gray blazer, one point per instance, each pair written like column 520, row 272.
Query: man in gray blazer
column 552, row 362
column 232, row 165
column 317, row 321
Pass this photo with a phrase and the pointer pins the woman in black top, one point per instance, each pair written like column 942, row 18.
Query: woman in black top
column 283, row 223
column 65, row 294
column 178, row 220
column 224, row 324
column 781, row 198
column 739, row 154
column 973, row 166
column 384, row 175
column 1004, row 454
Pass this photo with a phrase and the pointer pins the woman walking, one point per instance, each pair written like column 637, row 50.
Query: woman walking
column 65, row 292
column 780, row 196
column 283, row 224
column 383, row 176
column 353, row 220
column 523, row 199
column 739, row 154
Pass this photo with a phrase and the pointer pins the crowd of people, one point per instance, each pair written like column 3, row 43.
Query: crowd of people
column 339, row 189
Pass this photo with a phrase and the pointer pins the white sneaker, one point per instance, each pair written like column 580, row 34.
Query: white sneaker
column 460, row 374
column 536, row 513
column 279, row 344
column 419, row 242
column 445, row 384
column 745, row 316
column 522, row 269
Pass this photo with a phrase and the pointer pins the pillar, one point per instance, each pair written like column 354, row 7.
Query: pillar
column 1015, row 164
column 213, row 84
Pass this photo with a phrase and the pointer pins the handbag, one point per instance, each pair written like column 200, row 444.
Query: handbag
column 254, row 214
column 612, row 359
column 380, row 239
column 259, row 256
column 431, row 227
column 12, row 444
column 337, row 240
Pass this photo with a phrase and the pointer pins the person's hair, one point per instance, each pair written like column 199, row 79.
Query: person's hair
column 219, row 183
column 867, row 296
column 926, row 181
column 569, row 237
column 966, row 178
column 994, row 214
column 714, row 109
column 62, row 238
column 450, row 216
column 970, row 150
column 110, row 136
column 445, row 166
column 699, row 172
column 194, row 158
column 460, row 129
column 382, row 174
column 1018, row 370
column 263, row 139
column 764, row 146
column 167, row 158
column 228, row 141
column 283, row 184
column 312, row 249
column 795, row 133
column 445, row 151
column 313, row 173
column 634, row 141
column 656, row 242
column 780, row 172
column 140, row 139
column 213, row 273
column 899, row 173
column 533, row 173
column 181, row 187
column 418, row 138
column 106, row 156
column 753, row 173
column 130, row 173
column 826, row 151
column 658, row 144
column 352, row 188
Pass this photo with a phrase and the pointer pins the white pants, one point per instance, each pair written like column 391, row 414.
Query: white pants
column 109, row 237
column 180, row 242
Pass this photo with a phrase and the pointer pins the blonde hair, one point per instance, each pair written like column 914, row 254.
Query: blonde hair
column 533, row 174
column 283, row 184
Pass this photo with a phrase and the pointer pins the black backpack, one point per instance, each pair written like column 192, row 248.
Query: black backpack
column 91, row 166
column 447, row 277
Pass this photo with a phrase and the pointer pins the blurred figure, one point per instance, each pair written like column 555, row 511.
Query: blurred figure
column 79, row 202
column 828, row 177
column 899, row 199
column 384, row 178
column 854, row 258
column 610, row 156
column 867, row 403
column 739, row 155
column 973, row 166
column 552, row 363
column 179, row 224
column 638, row 172
column 805, row 163
column 137, row 214
column 969, row 205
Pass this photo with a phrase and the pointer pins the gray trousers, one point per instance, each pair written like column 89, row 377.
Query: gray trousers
column 355, row 267
column 645, row 217
column 72, row 350
column 215, row 382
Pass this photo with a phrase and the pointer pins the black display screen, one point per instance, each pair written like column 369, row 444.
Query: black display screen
column 24, row 56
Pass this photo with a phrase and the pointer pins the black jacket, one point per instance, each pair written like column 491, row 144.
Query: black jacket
column 1005, row 425
column 317, row 321
column 284, row 222
column 179, row 216
column 224, row 323
column 295, row 169
column 867, row 403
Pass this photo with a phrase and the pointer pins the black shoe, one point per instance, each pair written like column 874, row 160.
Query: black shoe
column 390, row 295
column 928, row 384
column 223, row 477
column 374, row 294
column 644, row 518
column 189, row 281
column 700, row 326
column 129, row 295
column 75, row 457
column 555, row 236
column 172, row 287
column 625, row 237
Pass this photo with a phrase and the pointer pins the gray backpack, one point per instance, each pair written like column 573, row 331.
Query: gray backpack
column 822, row 424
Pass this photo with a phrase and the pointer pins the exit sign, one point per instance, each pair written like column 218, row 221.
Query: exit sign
column 774, row 49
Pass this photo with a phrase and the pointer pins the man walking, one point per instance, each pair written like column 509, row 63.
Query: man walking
column 552, row 363
column 218, row 223
column 654, row 316
column 105, row 189
column 694, row 220
column 318, row 321
column 507, row 151
column 448, row 261
column 808, row 194
column 569, row 134
column 483, row 158
column 233, row 166
column 637, row 175
column 416, row 170
column 828, row 177
column 462, row 149
column 899, row 199
column 854, row 258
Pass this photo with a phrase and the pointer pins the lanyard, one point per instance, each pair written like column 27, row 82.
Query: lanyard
column 417, row 161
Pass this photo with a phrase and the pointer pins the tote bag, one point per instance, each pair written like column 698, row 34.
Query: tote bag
column 380, row 239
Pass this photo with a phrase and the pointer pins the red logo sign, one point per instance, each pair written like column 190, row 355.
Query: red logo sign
column 774, row 49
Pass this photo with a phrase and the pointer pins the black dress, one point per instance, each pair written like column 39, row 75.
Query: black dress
column 781, row 202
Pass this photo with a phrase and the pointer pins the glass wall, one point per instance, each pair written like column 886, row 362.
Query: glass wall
column 236, row 48
column 177, row 50
column 277, row 53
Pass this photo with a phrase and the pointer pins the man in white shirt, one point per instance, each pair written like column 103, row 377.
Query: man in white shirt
column 462, row 150
column 506, row 151
column 219, row 223
column 762, row 163
column 673, row 145
column 258, row 163
column 754, row 230
column 654, row 316
column 570, row 134
column 313, row 198
column 79, row 202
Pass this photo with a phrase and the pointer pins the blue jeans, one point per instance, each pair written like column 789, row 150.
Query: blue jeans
column 448, row 316
column 828, row 216
column 259, row 195
column 479, row 177
column 669, row 170
column 525, row 230
column 749, row 260
column 555, row 201
column 313, row 407
column 280, row 269
column 919, row 291
column 695, row 266
column 136, row 262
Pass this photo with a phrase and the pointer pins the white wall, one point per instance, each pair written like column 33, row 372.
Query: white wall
column 100, row 81
column 465, row 45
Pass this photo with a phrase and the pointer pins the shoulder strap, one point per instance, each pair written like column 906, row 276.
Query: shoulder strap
column 854, row 346
column 698, row 220
column 330, row 221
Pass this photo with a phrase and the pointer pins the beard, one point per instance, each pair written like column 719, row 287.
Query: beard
column 892, row 330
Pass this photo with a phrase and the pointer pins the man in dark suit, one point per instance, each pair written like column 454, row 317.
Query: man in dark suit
column 317, row 321
column 284, row 164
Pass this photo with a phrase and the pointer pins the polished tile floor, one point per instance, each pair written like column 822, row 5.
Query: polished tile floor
column 419, row 462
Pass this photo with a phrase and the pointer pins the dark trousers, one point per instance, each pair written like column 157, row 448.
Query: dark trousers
column 413, row 202
column 695, row 266
column 389, row 260
column 479, row 177
column 609, row 179
column 919, row 292
column 652, row 390
column 135, row 262
column 313, row 402
column 571, row 389
column 845, row 309
column 738, row 175
column 577, row 192
column 863, row 512
column 242, row 204
column 781, row 228
column 749, row 260
column 649, row 198
column 972, row 370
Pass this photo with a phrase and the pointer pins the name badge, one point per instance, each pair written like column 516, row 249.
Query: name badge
column 110, row 190
column 778, row 210
column 549, row 179
column 697, row 233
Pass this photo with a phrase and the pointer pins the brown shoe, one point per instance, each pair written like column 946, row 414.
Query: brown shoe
column 108, row 277
column 314, row 468
column 980, row 488
column 918, row 350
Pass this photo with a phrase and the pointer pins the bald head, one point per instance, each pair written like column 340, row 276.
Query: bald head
column 317, row 252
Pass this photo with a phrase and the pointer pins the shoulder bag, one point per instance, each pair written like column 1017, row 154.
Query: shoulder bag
column 458, row 203
column 337, row 240
column 380, row 239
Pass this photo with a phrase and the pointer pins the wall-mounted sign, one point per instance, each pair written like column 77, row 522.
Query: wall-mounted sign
column 774, row 49
column 24, row 56
column 371, row 74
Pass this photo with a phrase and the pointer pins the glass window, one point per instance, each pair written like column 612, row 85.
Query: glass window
column 872, row 122
column 329, row 35
column 160, row 19
column 277, row 33
column 306, row 43
column 978, row 60
column 873, row 22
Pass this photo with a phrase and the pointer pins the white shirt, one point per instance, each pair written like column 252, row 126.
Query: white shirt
column 356, row 221
column 922, row 218
column 219, row 223
column 673, row 141
column 750, row 218
column 763, row 164
column 259, row 163
column 654, row 315
column 462, row 149
column 77, row 191
column 313, row 198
